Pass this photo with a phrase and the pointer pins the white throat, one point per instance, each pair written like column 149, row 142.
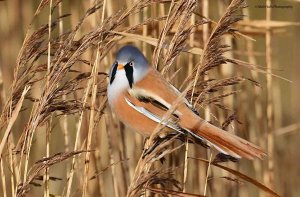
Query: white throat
column 119, row 84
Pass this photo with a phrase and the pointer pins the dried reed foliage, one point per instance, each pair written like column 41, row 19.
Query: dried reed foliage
column 39, row 166
column 71, row 80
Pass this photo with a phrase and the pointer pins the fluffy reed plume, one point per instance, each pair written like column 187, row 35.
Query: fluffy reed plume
column 55, row 111
column 213, row 49
column 39, row 166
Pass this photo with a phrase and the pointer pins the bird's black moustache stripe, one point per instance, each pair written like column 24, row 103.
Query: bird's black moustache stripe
column 129, row 74
column 113, row 73
column 128, row 71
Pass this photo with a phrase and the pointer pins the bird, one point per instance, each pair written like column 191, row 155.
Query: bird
column 140, row 96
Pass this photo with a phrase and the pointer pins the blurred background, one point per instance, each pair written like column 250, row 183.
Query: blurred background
column 268, row 115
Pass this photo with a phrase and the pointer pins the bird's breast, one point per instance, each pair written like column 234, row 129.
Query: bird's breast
column 132, row 118
column 117, row 87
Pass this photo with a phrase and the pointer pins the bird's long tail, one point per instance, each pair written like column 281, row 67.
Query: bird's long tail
column 227, row 142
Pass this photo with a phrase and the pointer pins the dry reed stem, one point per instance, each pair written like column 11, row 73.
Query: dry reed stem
column 3, row 178
column 185, row 169
column 112, row 160
column 242, row 176
column 47, row 173
column 76, row 144
column 287, row 129
column 207, row 174
column 270, row 114
column 13, row 168
column 12, row 120
column 65, row 125
column 255, row 135
column 162, row 36
column 91, row 123
column 48, row 125
column 207, row 110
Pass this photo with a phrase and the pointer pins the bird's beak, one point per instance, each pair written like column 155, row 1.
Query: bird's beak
column 120, row 66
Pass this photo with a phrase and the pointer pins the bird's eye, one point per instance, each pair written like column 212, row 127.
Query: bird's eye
column 130, row 63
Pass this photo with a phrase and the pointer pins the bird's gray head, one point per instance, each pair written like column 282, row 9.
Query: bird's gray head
column 130, row 62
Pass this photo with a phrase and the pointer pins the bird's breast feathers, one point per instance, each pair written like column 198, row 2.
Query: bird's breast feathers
column 119, row 85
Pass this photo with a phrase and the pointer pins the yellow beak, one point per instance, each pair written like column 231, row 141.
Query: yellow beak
column 120, row 66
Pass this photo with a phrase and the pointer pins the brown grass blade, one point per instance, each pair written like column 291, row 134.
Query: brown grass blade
column 13, row 119
column 172, row 192
column 242, row 176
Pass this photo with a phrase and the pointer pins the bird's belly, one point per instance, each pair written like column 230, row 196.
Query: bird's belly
column 132, row 118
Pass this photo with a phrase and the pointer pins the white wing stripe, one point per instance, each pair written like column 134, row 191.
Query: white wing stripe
column 170, row 125
column 152, row 116
column 137, row 92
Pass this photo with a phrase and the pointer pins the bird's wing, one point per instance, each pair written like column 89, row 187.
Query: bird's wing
column 156, row 95
column 153, row 111
column 155, row 86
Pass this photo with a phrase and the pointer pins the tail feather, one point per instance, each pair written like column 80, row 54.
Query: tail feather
column 227, row 142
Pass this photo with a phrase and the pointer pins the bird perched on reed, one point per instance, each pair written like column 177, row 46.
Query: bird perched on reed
column 140, row 96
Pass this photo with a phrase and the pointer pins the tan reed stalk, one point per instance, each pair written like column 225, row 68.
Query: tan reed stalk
column 4, row 192
column 196, row 179
column 123, row 167
column 2, row 92
column 161, row 13
column 98, row 157
column 207, row 174
column 207, row 110
column 47, row 173
column 227, row 71
column 111, row 158
column 27, row 148
column 255, row 134
column 287, row 129
column 12, row 165
column 64, row 121
column 3, row 178
column 12, row 120
column 48, row 125
column 13, row 117
column 145, row 29
column 77, row 139
column 185, row 164
column 157, row 51
column 65, row 125
column 91, row 124
column 269, row 176
column 192, row 44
